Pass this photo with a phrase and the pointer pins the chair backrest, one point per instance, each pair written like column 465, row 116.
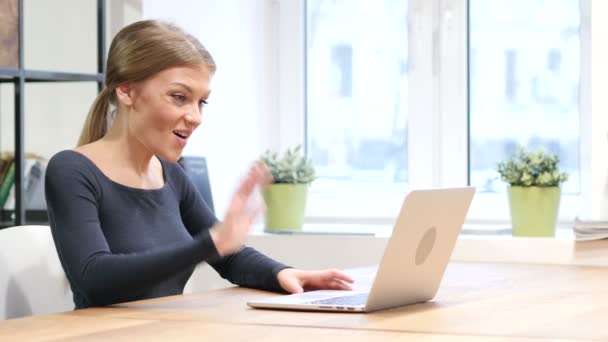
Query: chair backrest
column 31, row 278
column 196, row 169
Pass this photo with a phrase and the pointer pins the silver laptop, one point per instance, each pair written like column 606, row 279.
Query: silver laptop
column 414, row 260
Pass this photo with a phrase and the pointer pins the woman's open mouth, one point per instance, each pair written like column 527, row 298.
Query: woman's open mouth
column 182, row 134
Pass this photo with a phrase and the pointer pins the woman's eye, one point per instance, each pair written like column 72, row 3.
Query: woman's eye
column 179, row 97
column 202, row 103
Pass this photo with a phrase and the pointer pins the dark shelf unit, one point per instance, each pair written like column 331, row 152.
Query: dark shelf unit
column 19, row 77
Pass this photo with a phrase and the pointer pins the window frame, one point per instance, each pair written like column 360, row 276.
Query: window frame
column 438, row 153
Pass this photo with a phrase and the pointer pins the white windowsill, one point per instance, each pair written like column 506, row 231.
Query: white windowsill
column 479, row 231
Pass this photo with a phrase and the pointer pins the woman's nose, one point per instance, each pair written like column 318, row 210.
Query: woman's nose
column 194, row 117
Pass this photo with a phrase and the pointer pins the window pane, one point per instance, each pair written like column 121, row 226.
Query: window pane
column 524, row 84
column 357, row 67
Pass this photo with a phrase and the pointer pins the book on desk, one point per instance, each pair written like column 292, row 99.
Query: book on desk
column 587, row 230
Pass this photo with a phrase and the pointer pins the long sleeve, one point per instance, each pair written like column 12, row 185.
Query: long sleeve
column 248, row 267
column 97, row 273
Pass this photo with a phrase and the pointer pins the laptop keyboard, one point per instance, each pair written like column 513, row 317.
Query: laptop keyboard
column 358, row 299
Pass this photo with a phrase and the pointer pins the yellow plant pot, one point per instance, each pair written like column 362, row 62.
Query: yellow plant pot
column 285, row 206
column 534, row 210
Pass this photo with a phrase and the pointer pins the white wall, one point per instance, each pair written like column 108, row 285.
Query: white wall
column 237, row 123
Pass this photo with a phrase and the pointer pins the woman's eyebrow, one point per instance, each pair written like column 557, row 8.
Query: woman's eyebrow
column 179, row 84
column 182, row 85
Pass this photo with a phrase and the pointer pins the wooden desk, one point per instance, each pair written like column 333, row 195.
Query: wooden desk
column 476, row 302
column 56, row 327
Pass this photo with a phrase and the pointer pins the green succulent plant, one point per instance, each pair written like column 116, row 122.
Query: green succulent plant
column 531, row 168
column 290, row 168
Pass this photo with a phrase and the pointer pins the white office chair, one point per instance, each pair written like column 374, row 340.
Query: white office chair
column 31, row 278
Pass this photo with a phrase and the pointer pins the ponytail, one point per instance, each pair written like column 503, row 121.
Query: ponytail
column 96, row 124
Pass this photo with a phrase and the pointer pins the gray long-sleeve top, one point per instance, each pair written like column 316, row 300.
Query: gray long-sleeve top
column 117, row 243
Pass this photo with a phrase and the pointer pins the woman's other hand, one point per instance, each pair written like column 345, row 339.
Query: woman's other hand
column 296, row 281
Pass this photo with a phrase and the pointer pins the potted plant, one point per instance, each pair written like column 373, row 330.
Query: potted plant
column 534, row 191
column 286, row 197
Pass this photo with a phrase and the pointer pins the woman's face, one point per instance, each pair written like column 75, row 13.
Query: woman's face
column 165, row 109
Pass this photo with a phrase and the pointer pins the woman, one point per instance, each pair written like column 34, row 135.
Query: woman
column 126, row 221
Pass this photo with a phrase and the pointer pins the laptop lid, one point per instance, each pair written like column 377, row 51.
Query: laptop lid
column 420, row 247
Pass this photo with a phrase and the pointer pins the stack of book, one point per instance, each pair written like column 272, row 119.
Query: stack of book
column 587, row 230
column 33, row 181
column 7, row 176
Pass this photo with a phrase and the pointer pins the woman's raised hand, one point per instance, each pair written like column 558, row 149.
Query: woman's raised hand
column 230, row 235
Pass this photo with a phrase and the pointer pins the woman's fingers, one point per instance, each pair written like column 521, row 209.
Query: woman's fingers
column 254, row 214
column 330, row 284
column 237, row 205
column 258, row 175
column 266, row 175
column 327, row 279
column 338, row 284
column 337, row 274
column 343, row 276
column 243, row 211
column 247, row 185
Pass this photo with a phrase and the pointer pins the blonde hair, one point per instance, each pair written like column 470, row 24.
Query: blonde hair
column 139, row 51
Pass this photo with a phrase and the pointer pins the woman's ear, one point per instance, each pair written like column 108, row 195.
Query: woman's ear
column 124, row 94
